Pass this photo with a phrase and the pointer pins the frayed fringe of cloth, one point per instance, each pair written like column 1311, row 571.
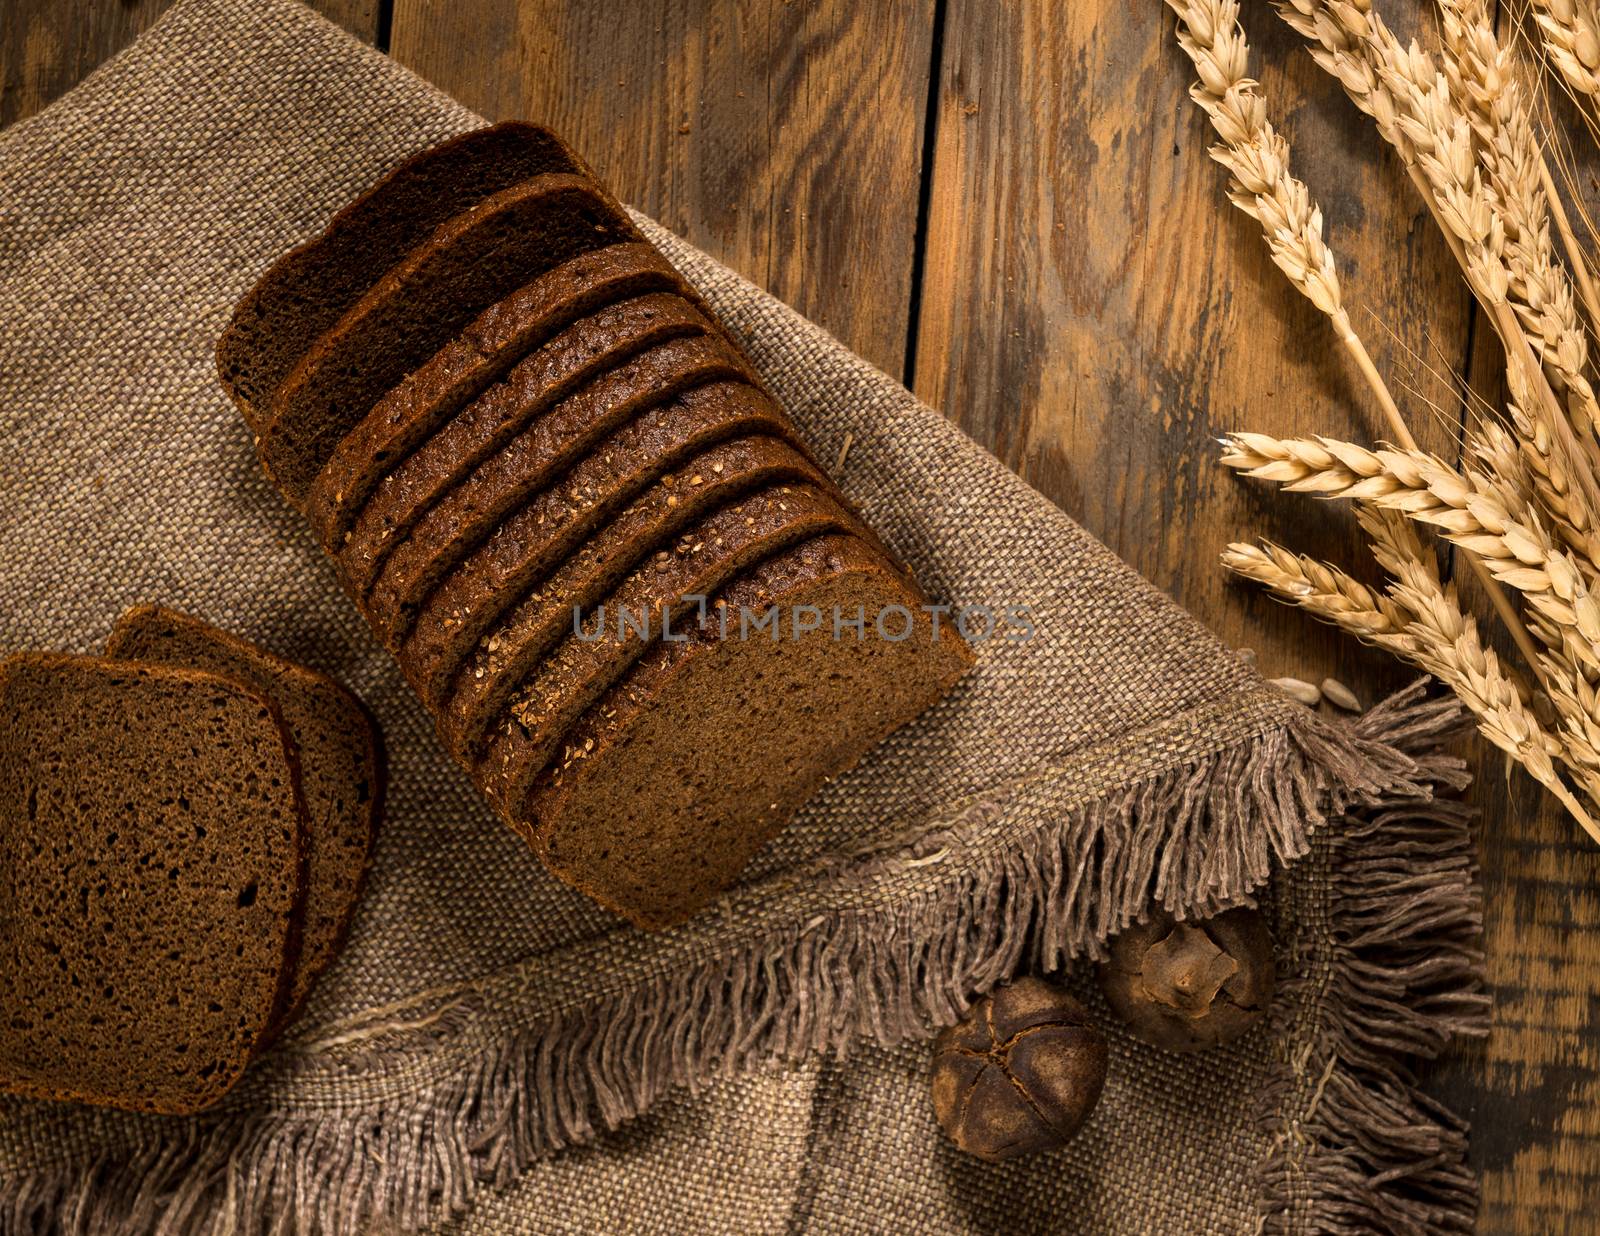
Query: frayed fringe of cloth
column 1393, row 975
column 1193, row 838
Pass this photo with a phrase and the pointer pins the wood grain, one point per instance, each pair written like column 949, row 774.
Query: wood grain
column 1096, row 314
column 48, row 46
column 782, row 136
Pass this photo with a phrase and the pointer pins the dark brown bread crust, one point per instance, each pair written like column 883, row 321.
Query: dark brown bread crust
column 527, row 734
column 538, row 457
column 341, row 765
column 634, row 541
column 466, row 265
column 304, row 292
column 464, row 368
column 532, row 392
column 153, row 871
column 514, row 597
column 521, row 551
column 702, row 752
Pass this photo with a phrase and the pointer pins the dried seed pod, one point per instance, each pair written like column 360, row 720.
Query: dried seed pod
column 1190, row 986
column 1020, row 1073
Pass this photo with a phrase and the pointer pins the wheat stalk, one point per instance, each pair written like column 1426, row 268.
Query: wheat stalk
column 1420, row 621
column 1447, row 644
column 1262, row 186
column 1469, row 508
column 1507, row 713
column 1522, row 504
column 1410, row 101
column 1483, row 78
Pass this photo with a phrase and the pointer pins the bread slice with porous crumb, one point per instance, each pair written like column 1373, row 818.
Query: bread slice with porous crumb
column 572, row 448
column 518, row 740
column 705, row 749
column 586, row 530
column 152, row 870
column 663, row 524
column 536, row 315
column 538, row 387
column 340, row 760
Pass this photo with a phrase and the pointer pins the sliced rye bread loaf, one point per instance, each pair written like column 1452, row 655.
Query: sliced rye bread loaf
column 341, row 765
column 534, row 389
column 304, row 292
column 468, row 365
column 429, row 298
column 544, row 613
column 152, row 870
column 555, row 523
column 555, row 441
column 518, row 742
column 704, row 750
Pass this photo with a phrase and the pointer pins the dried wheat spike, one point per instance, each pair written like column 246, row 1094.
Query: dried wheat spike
column 1255, row 154
column 1570, row 33
column 1471, row 509
column 1323, row 591
column 1483, row 77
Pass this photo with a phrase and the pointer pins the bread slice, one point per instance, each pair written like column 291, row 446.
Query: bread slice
column 539, row 456
column 524, row 736
column 152, row 865
column 341, row 767
column 533, row 391
column 430, row 297
column 468, row 365
column 304, row 292
column 701, row 753
column 589, row 501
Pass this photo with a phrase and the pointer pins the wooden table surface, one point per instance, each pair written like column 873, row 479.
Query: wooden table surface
column 1007, row 203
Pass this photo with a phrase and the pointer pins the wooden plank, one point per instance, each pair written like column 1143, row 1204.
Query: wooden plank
column 48, row 46
column 1533, row 1091
column 1094, row 313
column 782, row 136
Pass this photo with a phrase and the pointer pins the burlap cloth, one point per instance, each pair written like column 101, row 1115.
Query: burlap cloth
column 484, row 1016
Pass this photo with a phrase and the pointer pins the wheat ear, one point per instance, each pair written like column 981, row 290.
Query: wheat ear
column 1483, row 77
column 1261, row 184
column 1420, row 621
column 1569, row 36
column 1450, row 648
column 1410, row 102
column 1470, row 509
column 1447, row 644
column 1323, row 591
column 1569, row 31
column 1257, row 157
